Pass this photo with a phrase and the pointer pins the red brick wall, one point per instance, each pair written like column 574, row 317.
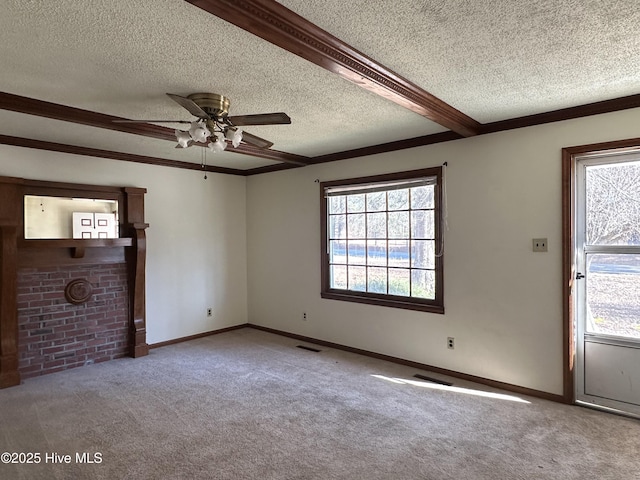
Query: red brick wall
column 54, row 334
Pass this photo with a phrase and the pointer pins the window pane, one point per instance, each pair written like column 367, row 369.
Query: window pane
column 381, row 240
column 423, row 254
column 337, row 251
column 337, row 204
column 338, row 277
column 377, row 280
column 398, row 253
column 398, row 225
column 422, row 224
column 613, row 294
column 423, row 284
column 337, row 226
column 398, row 199
column 376, row 201
column 355, row 203
column 399, row 281
column 357, row 279
column 377, row 252
column 356, row 225
column 356, row 253
column 613, row 204
column 377, row 225
column 422, row 197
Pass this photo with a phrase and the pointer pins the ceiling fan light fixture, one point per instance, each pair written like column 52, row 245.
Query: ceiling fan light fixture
column 235, row 135
column 219, row 144
column 213, row 126
column 184, row 139
column 199, row 131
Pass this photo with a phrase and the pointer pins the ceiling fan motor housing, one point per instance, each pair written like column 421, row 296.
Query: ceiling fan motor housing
column 213, row 104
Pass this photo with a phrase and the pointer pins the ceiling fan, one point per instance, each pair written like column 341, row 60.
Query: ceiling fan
column 214, row 124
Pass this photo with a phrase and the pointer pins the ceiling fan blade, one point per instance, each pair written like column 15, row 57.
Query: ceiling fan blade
column 279, row 118
column 151, row 121
column 256, row 141
column 190, row 105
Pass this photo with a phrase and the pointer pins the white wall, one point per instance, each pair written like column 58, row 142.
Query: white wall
column 503, row 302
column 196, row 241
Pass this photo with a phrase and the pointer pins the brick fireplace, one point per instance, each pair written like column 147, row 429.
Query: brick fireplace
column 68, row 302
column 55, row 334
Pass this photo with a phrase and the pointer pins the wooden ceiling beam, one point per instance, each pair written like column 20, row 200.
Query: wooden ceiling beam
column 127, row 157
column 596, row 108
column 40, row 108
column 280, row 26
column 31, row 106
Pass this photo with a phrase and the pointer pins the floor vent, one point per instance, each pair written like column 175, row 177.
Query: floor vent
column 311, row 349
column 432, row 380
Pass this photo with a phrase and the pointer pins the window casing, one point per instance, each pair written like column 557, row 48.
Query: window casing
column 382, row 241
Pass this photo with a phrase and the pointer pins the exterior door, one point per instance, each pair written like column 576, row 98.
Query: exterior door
column 608, row 281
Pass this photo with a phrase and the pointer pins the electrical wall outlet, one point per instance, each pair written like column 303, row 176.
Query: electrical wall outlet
column 451, row 343
column 209, row 312
column 304, row 316
column 539, row 244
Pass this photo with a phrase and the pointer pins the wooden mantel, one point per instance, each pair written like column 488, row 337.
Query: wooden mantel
column 17, row 252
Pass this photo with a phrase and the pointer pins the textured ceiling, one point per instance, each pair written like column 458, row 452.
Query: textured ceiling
column 491, row 60
column 497, row 59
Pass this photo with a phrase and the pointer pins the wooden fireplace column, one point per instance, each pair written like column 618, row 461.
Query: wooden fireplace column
column 136, row 262
column 17, row 252
column 10, row 220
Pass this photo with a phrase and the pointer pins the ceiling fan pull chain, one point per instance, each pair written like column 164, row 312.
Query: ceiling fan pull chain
column 204, row 162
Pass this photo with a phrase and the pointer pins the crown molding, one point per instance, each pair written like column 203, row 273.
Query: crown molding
column 389, row 147
column 586, row 110
column 269, row 168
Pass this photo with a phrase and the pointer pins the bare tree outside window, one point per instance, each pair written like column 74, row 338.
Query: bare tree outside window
column 613, row 224
column 613, row 204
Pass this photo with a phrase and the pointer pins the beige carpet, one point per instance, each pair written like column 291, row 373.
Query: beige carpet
column 251, row 405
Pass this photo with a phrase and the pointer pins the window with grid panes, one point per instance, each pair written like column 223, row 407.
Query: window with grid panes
column 381, row 240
